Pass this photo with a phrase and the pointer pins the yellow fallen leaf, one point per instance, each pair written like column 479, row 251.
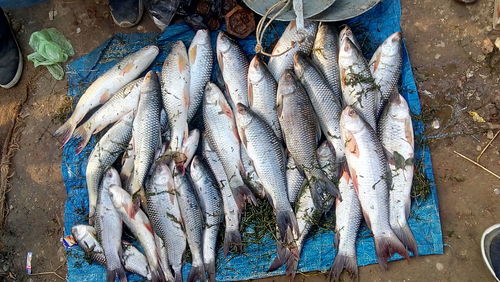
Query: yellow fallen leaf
column 476, row 117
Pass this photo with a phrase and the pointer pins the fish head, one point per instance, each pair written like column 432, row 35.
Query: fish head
column 346, row 32
column 243, row 118
column 351, row 121
column 111, row 177
column 288, row 83
column 161, row 174
column 300, row 63
column 392, row 45
column 119, row 197
column 224, row 43
column 397, row 107
column 255, row 70
column 80, row 232
column 326, row 152
column 348, row 51
column 212, row 93
column 196, row 170
column 148, row 51
column 201, row 37
column 150, row 82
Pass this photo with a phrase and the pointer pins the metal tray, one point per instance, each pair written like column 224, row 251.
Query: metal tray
column 345, row 9
column 311, row 8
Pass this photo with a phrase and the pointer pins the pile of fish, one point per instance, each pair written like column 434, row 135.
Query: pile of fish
column 318, row 127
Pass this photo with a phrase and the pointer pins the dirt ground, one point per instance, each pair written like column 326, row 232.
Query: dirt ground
column 455, row 71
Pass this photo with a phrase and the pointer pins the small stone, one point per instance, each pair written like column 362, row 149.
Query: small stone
column 11, row 207
column 439, row 266
column 487, row 46
column 480, row 58
column 437, row 56
column 52, row 14
column 496, row 191
column 469, row 73
column 140, row 28
column 440, row 44
column 490, row 134
column 478, row 148
column 78, row 30
column 497, row 43
column 436, row 124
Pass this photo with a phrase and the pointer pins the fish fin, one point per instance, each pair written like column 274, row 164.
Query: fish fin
column 177, row 274
column 403, row 232
column 232, row 238
column 83, row 132
column 210, row 268
column 386, row 246
column 287, row 256
column 120, row 272
column 287, row 226
column 320, row 186
column 342, row 262
column 65, row 131
column 250, row 94
column 156, row 275
column 196, row 273
column 241, row 195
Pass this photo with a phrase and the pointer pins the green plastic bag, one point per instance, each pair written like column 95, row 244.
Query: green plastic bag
column 51, row 48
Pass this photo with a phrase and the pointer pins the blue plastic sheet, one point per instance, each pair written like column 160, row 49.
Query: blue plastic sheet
column 318, row 253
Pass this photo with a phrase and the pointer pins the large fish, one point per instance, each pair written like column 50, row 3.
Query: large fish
column 137, row 221
column 133, row 260
column 359, row 89
column 325, row 55
column 175, row 81
column 347, row 220
column 295, row 180
column 262, row 94
column 370, row 175
column 210, row 199
column 268, row 157
column 200, row 66
column 234, row 67
column 123, row 102
column 221, row 133
column 109, row 227
column 291, row 42
column 301, row 133
column 164, row 213
column 105, row 153
column 396, row 135
column 232, row 213
column 146, row 131
column 106, row 85
column 193, row 223
column 325, row 102
column 385, row 66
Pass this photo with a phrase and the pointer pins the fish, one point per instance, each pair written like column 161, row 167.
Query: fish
column 133, row 260
column 189, row 147
column 175, row 81
column 262, row 94
column 200, row 65
column 145, row 132
column 301, row 133
column 324, row 101
column 358, row 86
column 250, row 176
column 295, row 180
column 232, row 213
column 233, row 64
column 103, row 88
column 193, row 223
column 138, row 223
column 123, row 102
column 268, row 157
column 370, row 176
column 107, row 150
column 210, row 199
column 291, row 42
column 396, row 135
column 221, row 133
column 328, row 161
column 347, row 221
column 385, row 66
column 165, row 215
column 345, row 33
column 109, row 227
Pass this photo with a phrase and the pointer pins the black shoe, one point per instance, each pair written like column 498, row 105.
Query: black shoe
column 11, row 60
column 126, row 13
column 490, row 248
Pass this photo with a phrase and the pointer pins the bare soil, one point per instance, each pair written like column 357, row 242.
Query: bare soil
column 454, row 75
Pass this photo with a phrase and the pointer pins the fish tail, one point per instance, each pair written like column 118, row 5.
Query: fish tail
column 342, row 262
column 210, row 267
column 83, row 132
column 65, row 131
column 288, row 256
column 178, row 273
column 321, row 186
column 386, row 246
column 242, row 194
column 120, row 272
column 196, row 273
column 403, row 232
column 232, row 238
column 287, row 225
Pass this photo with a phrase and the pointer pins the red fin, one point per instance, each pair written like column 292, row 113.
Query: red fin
column 354, row 178
column 376, row 62
column 128, row 67
column 250, row 94
column 104, row 97
column 351, row 144
column 182, row 63
column 386, row 246
column 132, row 210
column 192, row 54
column 149, row 227
column 225, row 109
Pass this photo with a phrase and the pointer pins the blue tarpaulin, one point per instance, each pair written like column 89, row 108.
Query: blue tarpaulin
column 371, row 29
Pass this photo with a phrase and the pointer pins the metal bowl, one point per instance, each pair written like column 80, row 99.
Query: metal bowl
column 311, row 8
column 345, row 9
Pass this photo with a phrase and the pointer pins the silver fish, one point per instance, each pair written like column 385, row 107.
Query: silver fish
column 103, row 88
column 164, row 213
column 301, row 134
column 358, row 86
column 193, row 223
column 262, row 94
column 146, row 131
column 137, row 221
column 234, row 67
column 175, row 94
column 250, row 176
column 295, row 180
column 105, row 153
column 200, row 65
column 385, row 66
column 210, row 199
column 325, row 55
column 291, row 42
column 232, row 213
column 325, row 102
column 370, row 175
column 347, row 220
column 345, row 33
column 109, row 227
column 123, row 102
column 396, row 135
column 221, row 133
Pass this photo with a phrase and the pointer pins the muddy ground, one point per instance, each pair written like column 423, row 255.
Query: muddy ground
column 456, row 72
